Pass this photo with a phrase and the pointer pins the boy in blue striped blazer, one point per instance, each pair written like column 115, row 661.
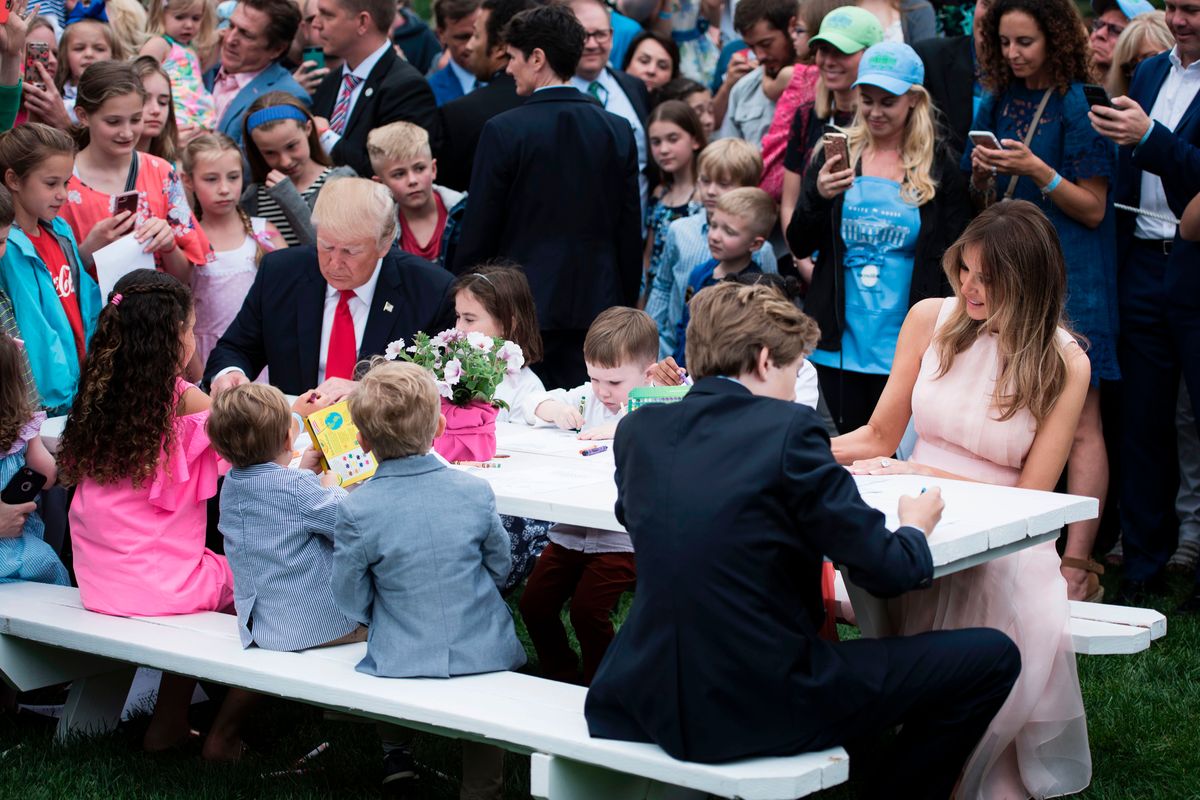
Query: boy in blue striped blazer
column 278, row 525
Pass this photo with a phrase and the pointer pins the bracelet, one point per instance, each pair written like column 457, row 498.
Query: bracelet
column 1052, row 185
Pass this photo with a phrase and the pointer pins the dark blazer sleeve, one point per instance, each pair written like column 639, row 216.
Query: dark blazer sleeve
column 488, row 208
column 242, row 344
column 831, row 514
column 953, row 197
column 629, row 224
column 635, row 90
column 1175, row 159
column 403, row 96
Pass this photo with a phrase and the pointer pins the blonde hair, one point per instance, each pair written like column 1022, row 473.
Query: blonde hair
column 1148, row 27
column 356, row 208
column 210, row 145
column 397, row 408
column 127, row 19
column 916, row 153
column 64, row 47
column 619, row 336
column 249, row 424
column 734, row 160
column 731, row 323
column 1018, row 251
column 397, row 141
column 206, row 34
column 752, row 205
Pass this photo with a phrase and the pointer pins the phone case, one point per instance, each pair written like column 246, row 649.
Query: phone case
column 23, row 487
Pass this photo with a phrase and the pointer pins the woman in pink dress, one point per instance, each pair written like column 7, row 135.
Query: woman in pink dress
column 995, row 386
column 135, row 448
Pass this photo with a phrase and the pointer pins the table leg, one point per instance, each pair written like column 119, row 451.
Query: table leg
column 870, row 611
column 553, row 778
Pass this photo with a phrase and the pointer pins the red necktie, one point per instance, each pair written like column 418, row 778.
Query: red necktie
column 343, row 349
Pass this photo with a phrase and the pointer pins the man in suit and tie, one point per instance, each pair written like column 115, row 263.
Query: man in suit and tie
column 260, row 32
column 619, row 93
column 1158, row 129
column 374, row 86
column 555, row 189
column 462, row 120
column 312, row 314
column 455, row 27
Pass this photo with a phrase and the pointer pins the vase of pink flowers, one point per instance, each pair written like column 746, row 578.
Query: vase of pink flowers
column 467, row 368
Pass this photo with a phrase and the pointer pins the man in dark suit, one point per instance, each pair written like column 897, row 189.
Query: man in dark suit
column 720, row 657
column 554, row 188
column 950, row 77
column 310, row 316
column 462, row 120
column 373, row 87
column 1158, row 129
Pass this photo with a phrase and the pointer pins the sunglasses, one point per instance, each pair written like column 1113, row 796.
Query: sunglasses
column 1099, row 25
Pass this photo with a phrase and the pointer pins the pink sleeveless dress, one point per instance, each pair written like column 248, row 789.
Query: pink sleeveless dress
column 139, row 551
column 1037, row 746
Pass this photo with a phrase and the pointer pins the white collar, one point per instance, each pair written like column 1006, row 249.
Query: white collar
column 365, row 292
column 363, row 70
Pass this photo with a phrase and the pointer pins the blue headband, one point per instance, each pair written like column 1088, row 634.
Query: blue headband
column 273, row 114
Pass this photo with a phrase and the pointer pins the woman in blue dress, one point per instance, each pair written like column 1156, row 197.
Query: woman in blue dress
column 1034, row 55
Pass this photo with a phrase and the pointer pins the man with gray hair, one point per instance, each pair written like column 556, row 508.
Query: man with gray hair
column 314, row 312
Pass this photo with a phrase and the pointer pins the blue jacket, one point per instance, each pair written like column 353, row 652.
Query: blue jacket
column 1173, row 155
column 425, row 580
column 49, row 340
column 272, row 79
column 445, row 86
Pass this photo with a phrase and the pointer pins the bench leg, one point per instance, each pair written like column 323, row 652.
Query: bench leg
column 553, row 778
column 870, row 612
column 94, row 704
column 27, row 665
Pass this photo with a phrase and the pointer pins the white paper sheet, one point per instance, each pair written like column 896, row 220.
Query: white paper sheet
column 116, row 260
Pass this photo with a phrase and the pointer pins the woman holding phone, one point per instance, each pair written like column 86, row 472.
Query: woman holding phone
column 879, row 217
column 1033, row 61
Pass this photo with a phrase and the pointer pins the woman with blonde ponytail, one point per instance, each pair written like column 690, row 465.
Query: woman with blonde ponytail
column 879, row 220
column 995, row 386
column 212, row 173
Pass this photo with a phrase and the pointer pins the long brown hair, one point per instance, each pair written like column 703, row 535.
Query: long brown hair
column 123, row 418
column 164, row 145
column 1018, row 251
column 258, row 165
column 101, row 82
column 503, row 291
column 16, row 403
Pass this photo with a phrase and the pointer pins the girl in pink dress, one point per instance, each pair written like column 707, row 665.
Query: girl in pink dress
column 212, row 173
column 135, row 448
column 995, row 386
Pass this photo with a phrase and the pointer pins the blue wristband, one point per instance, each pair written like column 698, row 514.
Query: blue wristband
column 1052, row 185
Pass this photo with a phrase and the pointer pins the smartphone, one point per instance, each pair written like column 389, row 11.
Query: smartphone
column 985, row 139
column 315, row 54
column 5, row 10
column 36, row 52
column 837, row 144
column 1096, row 95
column 125, row 201
column 23, row 488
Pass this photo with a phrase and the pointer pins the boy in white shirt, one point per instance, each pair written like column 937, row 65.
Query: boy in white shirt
column 591, row 567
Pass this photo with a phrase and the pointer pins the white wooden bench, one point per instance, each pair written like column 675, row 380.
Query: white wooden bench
column 47, row 638
column 1096, row 629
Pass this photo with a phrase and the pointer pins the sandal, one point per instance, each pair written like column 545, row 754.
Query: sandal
column 1095, row 592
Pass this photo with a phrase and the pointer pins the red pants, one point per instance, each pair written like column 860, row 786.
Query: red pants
column 594, row 583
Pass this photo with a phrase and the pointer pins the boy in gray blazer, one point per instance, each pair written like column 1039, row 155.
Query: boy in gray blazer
column 420, row 554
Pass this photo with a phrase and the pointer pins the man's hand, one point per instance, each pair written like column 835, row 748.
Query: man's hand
column 335, row 389
column 739, row 66
column 12, row 518
column 1125, row 123
column 561, row 414
column 309, row 75
column 235, row 377
column 922, row 511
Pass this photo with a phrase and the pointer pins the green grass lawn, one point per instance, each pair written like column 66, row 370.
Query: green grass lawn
column 1143, row 714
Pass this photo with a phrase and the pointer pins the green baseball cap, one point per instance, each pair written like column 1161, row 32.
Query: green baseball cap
column 849, row 29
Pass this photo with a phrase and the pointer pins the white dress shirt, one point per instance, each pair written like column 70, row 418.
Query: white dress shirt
column 616, row 101
column 329, row 138
column 360, row 308
column 1174, row 96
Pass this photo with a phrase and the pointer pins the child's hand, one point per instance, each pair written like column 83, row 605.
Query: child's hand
column 155, row 236
column 310, row 460
column 602, row 432
column 665, row 373
column 107, row 231
column 561, row 414
column 309, row 402
column 12, row 519
column 329, row 479
column 274, row 177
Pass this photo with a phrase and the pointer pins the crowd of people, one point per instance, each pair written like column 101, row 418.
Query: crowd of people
column 946, row 239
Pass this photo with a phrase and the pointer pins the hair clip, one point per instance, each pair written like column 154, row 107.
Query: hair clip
column 116, row 299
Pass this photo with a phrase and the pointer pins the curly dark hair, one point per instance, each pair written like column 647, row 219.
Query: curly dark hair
column 123, row 417
column 1067, row 50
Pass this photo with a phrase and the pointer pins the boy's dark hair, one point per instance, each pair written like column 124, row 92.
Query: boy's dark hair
column 503, row 290
column 284, row 18
column 777, row 12
column 500, row 13
column 551, row 29
column 7, row 215
column 447, row 12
